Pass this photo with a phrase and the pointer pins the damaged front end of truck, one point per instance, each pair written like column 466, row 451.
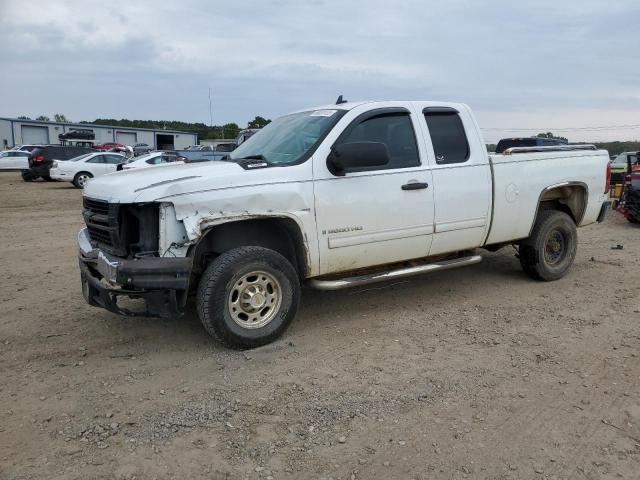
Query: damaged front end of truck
column 144, row 258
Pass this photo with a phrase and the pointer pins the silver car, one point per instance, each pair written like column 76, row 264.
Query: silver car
column 141, row 149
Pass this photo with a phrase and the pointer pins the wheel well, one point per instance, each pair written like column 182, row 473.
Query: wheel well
column 280, row 234
column 571, row 199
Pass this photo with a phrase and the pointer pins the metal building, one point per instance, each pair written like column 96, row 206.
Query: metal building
column 15, row 131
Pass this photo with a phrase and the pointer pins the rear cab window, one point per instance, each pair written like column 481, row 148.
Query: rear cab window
column 448, row 137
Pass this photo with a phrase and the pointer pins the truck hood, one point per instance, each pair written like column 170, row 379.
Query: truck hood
column 272, row 191
column 154, row 183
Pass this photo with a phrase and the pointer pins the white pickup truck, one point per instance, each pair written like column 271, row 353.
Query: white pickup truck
column 330, row 197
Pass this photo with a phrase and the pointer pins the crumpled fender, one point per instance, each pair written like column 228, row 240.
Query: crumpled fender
column 201, row 211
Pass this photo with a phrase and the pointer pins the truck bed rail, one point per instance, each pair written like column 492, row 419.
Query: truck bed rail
column 553, row 148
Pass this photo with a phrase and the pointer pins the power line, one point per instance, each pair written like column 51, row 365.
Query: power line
column 566, row 129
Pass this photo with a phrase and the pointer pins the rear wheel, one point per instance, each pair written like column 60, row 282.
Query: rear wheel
column 47, row 178
column 80, row 180
column 550, row 250
column 27, row 176
column 248, row 296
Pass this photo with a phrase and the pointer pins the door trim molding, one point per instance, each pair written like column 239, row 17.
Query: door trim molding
column 461, row 224
column 379, row 236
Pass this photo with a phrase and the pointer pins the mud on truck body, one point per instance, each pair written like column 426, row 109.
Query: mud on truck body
column 330, row 197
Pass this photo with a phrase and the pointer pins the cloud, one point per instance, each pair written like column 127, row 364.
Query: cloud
column 532, row 61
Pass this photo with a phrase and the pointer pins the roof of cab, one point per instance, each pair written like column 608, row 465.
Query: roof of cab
column 333, row 106
column 352, row 105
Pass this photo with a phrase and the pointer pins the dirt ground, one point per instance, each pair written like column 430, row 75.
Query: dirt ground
column 470, row 373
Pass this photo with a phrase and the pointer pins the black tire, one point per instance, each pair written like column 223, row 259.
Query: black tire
column 219, row 286
column 78, row 181
column 549, row 252
column 27, row 176
column 47, row 178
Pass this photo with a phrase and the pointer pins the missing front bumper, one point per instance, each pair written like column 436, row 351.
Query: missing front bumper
column 157, row 303
column 159, row 284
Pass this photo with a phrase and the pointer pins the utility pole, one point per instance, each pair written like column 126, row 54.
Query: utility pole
column 210, row 110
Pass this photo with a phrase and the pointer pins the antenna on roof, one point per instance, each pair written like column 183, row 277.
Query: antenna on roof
column 340, row 100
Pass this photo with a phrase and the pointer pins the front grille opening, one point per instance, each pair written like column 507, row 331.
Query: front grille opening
column 140, row 228
column 96, row 206
column 99, row 236
column 122, row 230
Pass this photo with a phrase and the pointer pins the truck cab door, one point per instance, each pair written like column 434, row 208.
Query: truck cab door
column 462, row 183
column 380, row 214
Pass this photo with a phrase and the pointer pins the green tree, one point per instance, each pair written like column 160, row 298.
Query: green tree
column 230, row 130
column 615, row 148
column 259, row 122
column 43, row 118
column 551, row 135
column 59, row 117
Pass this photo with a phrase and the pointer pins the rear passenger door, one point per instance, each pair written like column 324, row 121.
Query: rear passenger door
column 104, row 163
column 462, row 184
column 379, row 214
column 97, row 165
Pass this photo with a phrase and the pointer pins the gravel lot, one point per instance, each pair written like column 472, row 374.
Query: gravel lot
column 470, row 373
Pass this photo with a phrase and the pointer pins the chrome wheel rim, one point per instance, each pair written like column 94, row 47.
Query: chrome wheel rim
column 554, row 247
column 254, row 300
column 82, row 180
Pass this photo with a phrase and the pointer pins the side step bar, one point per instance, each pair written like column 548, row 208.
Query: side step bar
column 356, row 281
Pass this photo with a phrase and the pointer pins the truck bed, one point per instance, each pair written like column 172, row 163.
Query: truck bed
column 519, row 181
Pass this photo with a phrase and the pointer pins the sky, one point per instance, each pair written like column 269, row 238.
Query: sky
column 568, row 66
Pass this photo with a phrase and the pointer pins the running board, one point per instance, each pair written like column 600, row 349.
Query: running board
column 348, row 282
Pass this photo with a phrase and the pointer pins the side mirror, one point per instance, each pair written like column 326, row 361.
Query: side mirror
column 349, row 156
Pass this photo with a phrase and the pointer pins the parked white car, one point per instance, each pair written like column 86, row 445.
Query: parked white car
column 14, row 160
column 152, row 159
column 333, row 197
column 26, row 148
column 80, row 169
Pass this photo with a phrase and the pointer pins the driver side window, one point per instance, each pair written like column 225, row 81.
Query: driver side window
column 395, row 131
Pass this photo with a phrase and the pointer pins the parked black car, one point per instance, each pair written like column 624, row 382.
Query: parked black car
column 41, row 159
column 506, row 143
column 78, row 133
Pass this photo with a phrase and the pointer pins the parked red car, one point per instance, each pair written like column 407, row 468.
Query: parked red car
column 108, row 146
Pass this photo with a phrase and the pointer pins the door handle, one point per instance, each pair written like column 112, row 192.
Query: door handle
column 415, row 186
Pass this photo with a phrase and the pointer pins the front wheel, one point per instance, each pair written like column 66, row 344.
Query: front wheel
column 550, row 250
column 81, row 179
column 248, row 296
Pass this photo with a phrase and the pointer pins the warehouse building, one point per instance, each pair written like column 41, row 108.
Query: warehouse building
column 15, row 131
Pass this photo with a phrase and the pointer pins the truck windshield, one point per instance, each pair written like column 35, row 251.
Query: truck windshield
column 289, row 139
